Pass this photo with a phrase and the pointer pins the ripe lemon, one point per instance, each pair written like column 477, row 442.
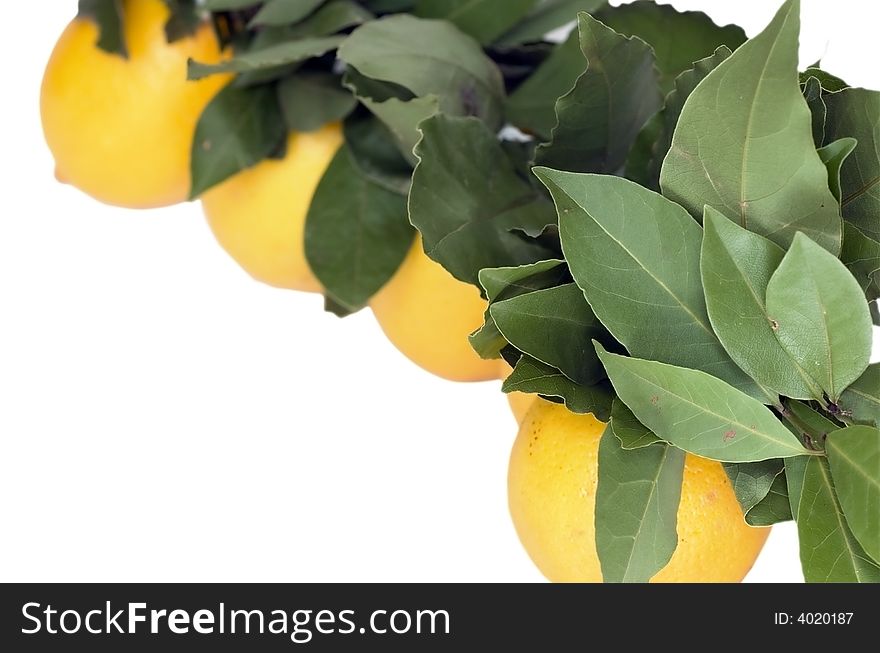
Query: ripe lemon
column 121, row 129
column 428, row 314
column 520, row 403
column 259, row 215
column 552, row 494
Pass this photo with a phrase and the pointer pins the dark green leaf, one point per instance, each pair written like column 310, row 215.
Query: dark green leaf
column 389, row 6
column 482, row 19
column 467, row 199
column 636, row 256
column 357, row 233
column 861, row 255
column 239, row 128
column 819, row 315
column 310, row 100
column 813, row 95
column 506, row 283
column 284, row 12
column 752, row 481
column 269, row 58
column 855, row 113
column 532, row 107
column 228, row 5
column 854, row 456
column 811, row 425
column 773, row 508
column 667, row 119
column 557, row 327
column 599, row 120
column 331, row 18
column 736, row 265
column 637, row 499
column 795, row 469
column 861, row 400
column 833, row 156
column 373, row 148
column 829, row 83
column 534, row 377
column 429, row 57
column 829, row 551
column 109, row 16
column 184, row 20
column 630, row 431
column 548, row 16
column 678, row 38
column 698, row 412
column 727, row 149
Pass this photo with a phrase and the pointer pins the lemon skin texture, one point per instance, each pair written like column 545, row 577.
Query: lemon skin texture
column 121, row 129
column 552, row 494
column 428, row 314
column 259, row 215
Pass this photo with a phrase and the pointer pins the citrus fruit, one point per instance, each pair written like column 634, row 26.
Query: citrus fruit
column 121, row 128
column 520, row 402
column 428, row 314
column 552, row 493
column 259, row 215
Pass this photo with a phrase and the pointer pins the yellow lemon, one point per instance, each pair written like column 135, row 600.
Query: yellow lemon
column 259, row 215
column 552, row 495
column 428, row 314
column 520, row 402
column 121, row 129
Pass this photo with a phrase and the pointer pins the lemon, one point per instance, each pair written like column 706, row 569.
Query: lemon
column 259, row 215
column 552, row 494
column 121, row 129
column 428, row 314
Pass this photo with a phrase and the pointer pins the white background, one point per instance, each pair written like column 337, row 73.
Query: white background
column 164, row 418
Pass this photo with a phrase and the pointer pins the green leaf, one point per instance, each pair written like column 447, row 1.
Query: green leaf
column 636, row 256
column 389, row 6
column 467, row 199
column 534, row 377
column 820, row 317
column 795, row 469
column 637, row 499
column 429, row 57
column 228, row 5
column 599, row 120
column 376, row 154
column 284, row 12
column 239, row 128
column 678, row 38
column 548, row 16
column 185, row 19
column 630, row 431
column 482, row 19
column 357, row 233
column 403, row 117
column 109, row 16
column 811, row 425
column 861, row 400
column 506, row 283
column 774, row 508
column 861, row 256
column 667, row 118
column 736, row 265
column 751, row 482
column 331, row 18
column 698, row 412
column 813, row 95
column 833, row 156
column 855, row 113
column 854, row 456
column 272, row 57
column 310, row 100
column 744, row 144
column 829, row 552
column 532, row 106
column 829, row 83
column 555, row 326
